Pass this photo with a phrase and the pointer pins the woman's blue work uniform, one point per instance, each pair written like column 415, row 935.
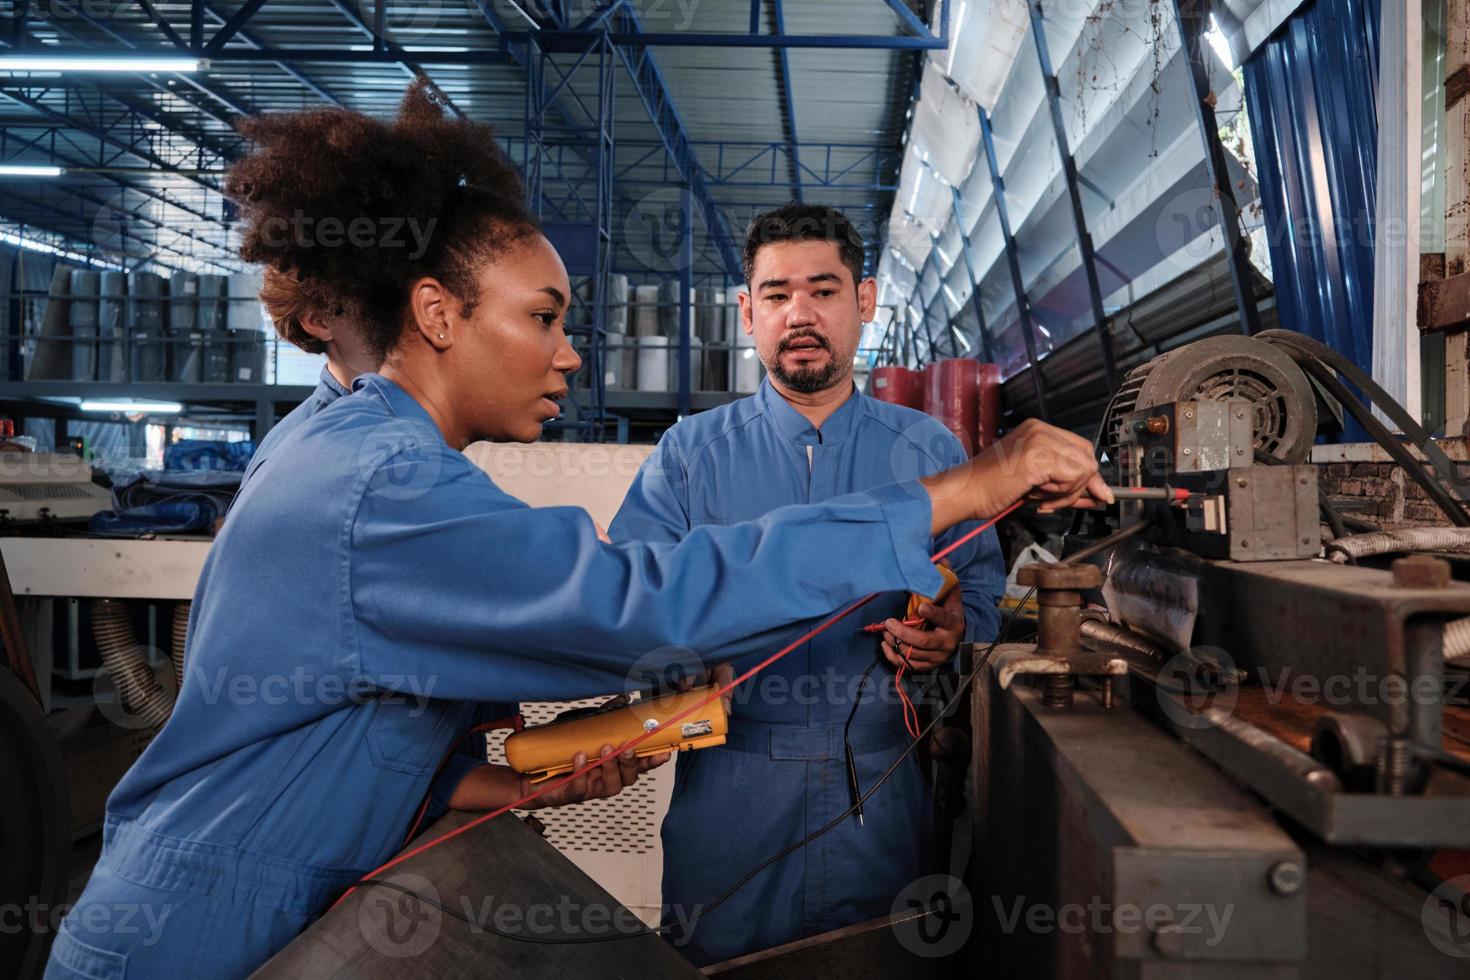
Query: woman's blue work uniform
column 782, row 772
column 367, row 590
column 473, row 750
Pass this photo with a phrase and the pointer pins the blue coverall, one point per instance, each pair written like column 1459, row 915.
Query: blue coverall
column 782, row 772
column 368, row 589
column 328, row 389
column 473, row 750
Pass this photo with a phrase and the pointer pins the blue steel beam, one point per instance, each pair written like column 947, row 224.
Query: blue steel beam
column 783, row 57
column 106, row 136
column 959, row 223
column 911, row 20
column 654, row 93
column 1074, row 196
column 734, row 158
column 1013, row 260
column 232, row 26
column 922, row 306
column 686, row 283
column 1192, row 19
column 557, row 41
column 383, row 44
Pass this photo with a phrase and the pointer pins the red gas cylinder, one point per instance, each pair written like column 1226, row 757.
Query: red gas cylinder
column 951, row 395
column 989, row 407
column 899, row 385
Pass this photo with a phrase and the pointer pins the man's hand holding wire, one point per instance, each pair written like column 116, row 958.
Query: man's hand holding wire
column 930, row 648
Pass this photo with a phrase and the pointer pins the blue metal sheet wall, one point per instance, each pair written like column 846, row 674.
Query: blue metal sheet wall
column 1311, row 91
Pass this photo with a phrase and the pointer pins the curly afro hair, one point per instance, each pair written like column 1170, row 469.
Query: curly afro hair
column 289, row 299
column 347, row 211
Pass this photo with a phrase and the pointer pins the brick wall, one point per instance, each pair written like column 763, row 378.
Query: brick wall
column 1363, row 482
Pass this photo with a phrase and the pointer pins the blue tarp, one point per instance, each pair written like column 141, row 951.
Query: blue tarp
column 1311, row 93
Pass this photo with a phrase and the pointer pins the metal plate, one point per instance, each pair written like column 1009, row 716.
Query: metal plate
column 500, row 874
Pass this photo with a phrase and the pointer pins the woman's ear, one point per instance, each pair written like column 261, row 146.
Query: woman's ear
column 431, row 306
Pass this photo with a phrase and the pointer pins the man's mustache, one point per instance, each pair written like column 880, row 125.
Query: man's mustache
column 790, row 339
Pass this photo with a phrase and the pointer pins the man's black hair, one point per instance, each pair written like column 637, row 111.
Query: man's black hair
column 805, row 223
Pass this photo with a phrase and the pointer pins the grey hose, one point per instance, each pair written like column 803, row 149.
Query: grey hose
column 1357, row 546
column 180, row 634
column 125, row 662
column 1457, row 639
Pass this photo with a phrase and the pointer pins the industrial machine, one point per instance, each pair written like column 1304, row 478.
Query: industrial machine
column 41, row 486
column 1224, row 755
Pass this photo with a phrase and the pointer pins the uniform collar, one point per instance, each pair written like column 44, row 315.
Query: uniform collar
column 399, row 402
column 330, row 383
column 794, row 426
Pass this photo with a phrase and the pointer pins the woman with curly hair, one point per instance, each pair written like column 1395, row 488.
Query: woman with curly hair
column 371, row 586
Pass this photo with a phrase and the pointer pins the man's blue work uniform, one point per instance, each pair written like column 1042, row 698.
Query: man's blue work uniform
column 782, row 773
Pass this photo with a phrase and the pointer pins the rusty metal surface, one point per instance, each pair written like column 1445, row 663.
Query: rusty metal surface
column 1090, row 808
column 1444, row 303
column 1322, row 620
column 1064, row 576
column 1020, row 659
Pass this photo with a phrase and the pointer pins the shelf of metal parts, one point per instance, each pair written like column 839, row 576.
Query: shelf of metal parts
column 1099, row 812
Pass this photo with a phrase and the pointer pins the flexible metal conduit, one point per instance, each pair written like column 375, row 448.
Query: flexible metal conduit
column 125, row 662
column 181, row 633
column 1358, row 546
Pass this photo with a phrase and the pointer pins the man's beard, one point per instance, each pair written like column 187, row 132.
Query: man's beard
column 805, row 380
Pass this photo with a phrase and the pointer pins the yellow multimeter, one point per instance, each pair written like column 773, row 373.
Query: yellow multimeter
column 547, row 750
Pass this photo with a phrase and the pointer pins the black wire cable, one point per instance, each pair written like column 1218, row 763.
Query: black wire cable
column 1324, row 364
column 939, row 716
column 862, row 689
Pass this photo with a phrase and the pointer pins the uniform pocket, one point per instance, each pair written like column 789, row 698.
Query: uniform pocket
column 411, row 735
column 72, row 958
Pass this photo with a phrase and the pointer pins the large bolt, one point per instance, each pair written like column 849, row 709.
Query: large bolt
column 1057, row 689
column 1394, row 765
column 1286, row 877
column 1421, row 572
